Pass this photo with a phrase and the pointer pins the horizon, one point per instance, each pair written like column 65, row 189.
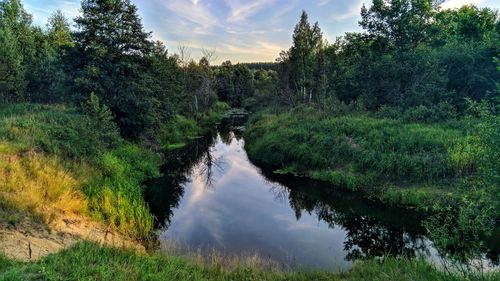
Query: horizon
column 241, row 31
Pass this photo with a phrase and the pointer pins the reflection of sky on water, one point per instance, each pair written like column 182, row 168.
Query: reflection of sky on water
column 212, row 197
column 240, row 214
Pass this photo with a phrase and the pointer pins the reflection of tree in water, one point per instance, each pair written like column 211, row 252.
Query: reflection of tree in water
column 368, row 235
column 372, row 230
column 207, row 165
column 163, row 195
column 229, row 129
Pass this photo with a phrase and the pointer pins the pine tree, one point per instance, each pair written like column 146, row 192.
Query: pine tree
column 114, row 55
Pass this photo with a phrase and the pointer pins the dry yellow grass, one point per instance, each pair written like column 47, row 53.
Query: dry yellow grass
column 39, row 185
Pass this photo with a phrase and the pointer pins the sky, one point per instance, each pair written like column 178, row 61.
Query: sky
column 237, row 30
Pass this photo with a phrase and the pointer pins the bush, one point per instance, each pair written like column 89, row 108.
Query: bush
column 426, row 114
column 56, row 130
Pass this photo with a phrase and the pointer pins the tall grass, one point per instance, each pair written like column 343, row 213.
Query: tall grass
column 179, row 131
column 362, row 153
column 103, row 263
column 54, row 159
column 39, row 185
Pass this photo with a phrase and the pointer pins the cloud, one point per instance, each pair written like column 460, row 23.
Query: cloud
column 351, row 12
column 323, row 2
column 451, row 4
column 193, row 12
column 241, row 10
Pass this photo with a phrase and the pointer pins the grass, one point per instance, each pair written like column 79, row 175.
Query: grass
column 55, row 160
column 181, row 130
column 104, row 263
column 39, row 185
column 409, row 164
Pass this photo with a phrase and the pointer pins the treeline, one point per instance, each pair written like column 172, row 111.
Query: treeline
column 110, row 55
column 412, row 57
column 412, row 60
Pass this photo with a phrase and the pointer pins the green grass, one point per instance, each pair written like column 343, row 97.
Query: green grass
column 181, row 130
column 87, row 261
column 404, row 163
column 55, row 160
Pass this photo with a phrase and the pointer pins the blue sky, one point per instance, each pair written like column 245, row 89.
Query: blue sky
column 238, row 30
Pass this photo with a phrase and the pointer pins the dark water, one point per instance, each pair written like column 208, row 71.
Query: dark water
column 213, row 197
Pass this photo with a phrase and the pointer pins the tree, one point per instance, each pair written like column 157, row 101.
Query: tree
column 17, row 49
column 243, row 84
column 307, row 42
column 49, row 79
column 59, row 32
column 113, row 51
column 12, row 83
column 224, row 81
column 103, row 119
column 403, row 24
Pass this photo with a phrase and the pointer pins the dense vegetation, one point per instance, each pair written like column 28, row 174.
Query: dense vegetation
column 57, row 160
column 405, row 112
column 367, row 154
column 116, row 264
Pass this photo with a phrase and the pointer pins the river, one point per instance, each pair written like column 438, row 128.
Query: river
column 212, row 197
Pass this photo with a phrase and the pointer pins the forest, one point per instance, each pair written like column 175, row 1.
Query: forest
column 405, row 113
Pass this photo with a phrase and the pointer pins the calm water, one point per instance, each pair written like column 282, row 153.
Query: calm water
column 213, row 197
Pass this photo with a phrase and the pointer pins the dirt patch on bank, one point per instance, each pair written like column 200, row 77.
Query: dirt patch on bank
column 25, row 238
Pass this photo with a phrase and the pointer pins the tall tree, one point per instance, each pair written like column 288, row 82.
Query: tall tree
column 48, row 78
column 307, row 43
column 402, row 23
column 113, row 52
column 18, row 48
column 12, row 83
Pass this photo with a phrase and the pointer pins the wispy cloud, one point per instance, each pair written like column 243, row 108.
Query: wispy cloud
column 323, row 2
column 241, row 10
column 192, row 11
column 351, row 11
column 451, row 4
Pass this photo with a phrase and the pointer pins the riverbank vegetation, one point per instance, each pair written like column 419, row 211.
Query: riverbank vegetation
column 56, row 160
column 405, row 112
column 118, row 264
column 369, row 155
column 409, row 134
column 86, row 113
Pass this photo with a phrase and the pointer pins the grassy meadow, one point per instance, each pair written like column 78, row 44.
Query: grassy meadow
column 412, row 164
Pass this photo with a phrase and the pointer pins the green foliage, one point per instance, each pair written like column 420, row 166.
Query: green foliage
column 387, row 147
column 107, row 170
column 103, row 119
column 411, row 56
column 57, row 130
column 122, row 264
column 234, row 83
column 178, row 132
column 443, row 111
column 458, row 233
column 366, row 154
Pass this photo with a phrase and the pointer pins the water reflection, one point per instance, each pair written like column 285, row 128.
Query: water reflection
column 212, row 196
column 163, row 194
column 372, row 230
